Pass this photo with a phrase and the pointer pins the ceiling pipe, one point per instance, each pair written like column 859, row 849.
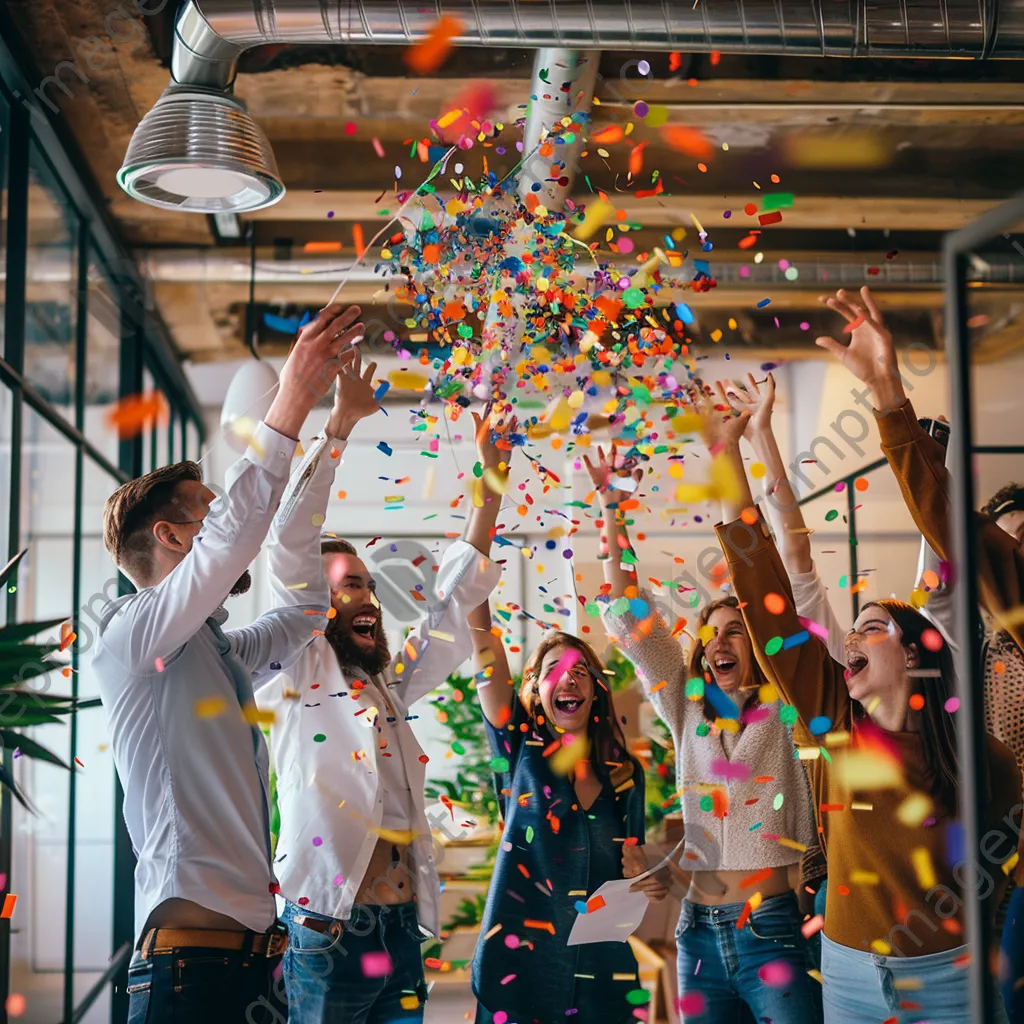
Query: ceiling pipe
column 199, row 150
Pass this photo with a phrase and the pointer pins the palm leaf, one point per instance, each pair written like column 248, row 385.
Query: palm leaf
column 18, row 631
column 29, row 748
column 9, row 568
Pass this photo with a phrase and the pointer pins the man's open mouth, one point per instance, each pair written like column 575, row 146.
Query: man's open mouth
column 855, row 662
column 568, row 703
column 363, row 625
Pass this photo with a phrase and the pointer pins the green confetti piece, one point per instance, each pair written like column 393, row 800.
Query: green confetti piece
column 777, row 802
column 498, row 764
column 694, row 688
column 458, row 747
column 633, row 298
column 830, row 515
column 319, row 737
column 706, row 803
column 788, row 714
column 777, row 201
column 703, row 728
column 774, row 645
column 825, row 754
column 638, row 997
column 592, row 610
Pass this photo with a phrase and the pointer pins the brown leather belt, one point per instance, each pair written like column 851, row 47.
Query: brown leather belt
column 262, row 944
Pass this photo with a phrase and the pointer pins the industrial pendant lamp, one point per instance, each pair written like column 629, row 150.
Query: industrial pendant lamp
column 254, row 385
column 199, row 151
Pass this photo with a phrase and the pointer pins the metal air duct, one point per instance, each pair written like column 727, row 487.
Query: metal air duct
column 198, row 149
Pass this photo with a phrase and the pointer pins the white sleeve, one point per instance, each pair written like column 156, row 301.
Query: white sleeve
column 300, row 593
column 811, row 599
column 161, row 619
column 660, row 661
column 443, row 640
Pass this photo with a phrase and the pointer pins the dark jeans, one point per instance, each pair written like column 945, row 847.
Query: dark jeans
column 1013, row 955
column 761, row 967
column 367, row 970
column 204, row 986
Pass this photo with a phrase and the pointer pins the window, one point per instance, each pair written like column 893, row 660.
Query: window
column 51, row 268
column 6, row 403
column 102, row 357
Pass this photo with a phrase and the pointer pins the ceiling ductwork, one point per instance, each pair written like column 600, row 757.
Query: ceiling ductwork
column 199, row 150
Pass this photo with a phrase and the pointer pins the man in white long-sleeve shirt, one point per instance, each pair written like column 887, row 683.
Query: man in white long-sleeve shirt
column 355, row 854
column 178, row 693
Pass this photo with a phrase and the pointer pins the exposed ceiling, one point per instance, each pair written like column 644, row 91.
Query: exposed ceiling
column 881, row 157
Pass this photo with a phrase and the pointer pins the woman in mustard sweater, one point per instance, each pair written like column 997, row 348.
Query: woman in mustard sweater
column 881, row 732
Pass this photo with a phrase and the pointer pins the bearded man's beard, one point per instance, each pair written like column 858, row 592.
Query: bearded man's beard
column 349, row 653
column 242, row 585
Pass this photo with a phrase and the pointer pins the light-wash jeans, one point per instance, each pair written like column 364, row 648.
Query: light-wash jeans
column 865, row 988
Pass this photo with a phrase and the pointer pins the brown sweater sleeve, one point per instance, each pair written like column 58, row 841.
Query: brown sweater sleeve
column 918, row 462
column 804, row 673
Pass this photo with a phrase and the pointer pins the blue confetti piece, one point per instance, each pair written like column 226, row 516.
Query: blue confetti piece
column 721, row 702
column 702, row 267
column 956, row 845
column 638, row 608
column 282, row 324
column 306, row 317
column 382, row 390
column 384, row 447
column 684, row 313
column 581, row 907
column 819, row 725
column 763, row 303
column 796, row 639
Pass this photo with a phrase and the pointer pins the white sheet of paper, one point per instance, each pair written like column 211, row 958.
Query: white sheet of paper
column 616, row 920
column 622, row 913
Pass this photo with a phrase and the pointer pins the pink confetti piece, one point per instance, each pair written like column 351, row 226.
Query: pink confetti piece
column 377, row 147
column 159, row 663
column 692, row 1004
column 508, row 978
column 726, row 769
column 814, row 628
column 565, row 662
column 376, row 964
column 812, row 926
column 776, row 973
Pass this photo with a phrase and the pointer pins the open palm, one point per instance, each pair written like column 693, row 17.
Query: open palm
column 870, row 355
column 748, row 398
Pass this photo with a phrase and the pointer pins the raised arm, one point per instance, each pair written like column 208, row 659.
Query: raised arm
column 164, row 617
column 918, row 460
column 299, row 593
column 494, row 685
column 611, row 489
column 791, row 533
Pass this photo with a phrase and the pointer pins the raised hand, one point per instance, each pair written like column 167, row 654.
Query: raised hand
column 870, row 355
column 487, row 429
column 722, row 428
column 748, row 398
column 603, row 475
column 312, row 366
column 354, row 397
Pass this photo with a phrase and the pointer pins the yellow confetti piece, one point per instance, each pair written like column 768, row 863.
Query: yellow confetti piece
column 816, row 975
column 409, row 1002
column 407, row 380
column 837, row 738
column 401, row 837
column 921, row 860
column 569, row 755
column 254, row 716
column 297, row 586
column 864, row 877
column 758, row 470
column 767, row 694
column 907, row 984
column 808, row 753
column 686, row 493
column 441, row 636
column 1009, row 866
column 244, row 429
column 497, row 928
column 755, row 901
column 596, row 215
column 862, row 769
column 792, row 844
column 210, row 707
column 914, row 810
column 497, row 483
column 860, row 805
column 881, row 947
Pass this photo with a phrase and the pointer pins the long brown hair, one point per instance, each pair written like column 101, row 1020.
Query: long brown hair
column 935, row 724
column 607, row 743
column 696, row 669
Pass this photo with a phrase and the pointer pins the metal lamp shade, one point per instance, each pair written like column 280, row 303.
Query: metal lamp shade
column 249, row 397
column 200, row 151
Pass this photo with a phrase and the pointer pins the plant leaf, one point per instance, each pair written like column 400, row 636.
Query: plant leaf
column 25, row 630
column 9, row 568
column 30, row 748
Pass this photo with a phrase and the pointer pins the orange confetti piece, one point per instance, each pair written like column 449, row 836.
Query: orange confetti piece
column 545, row 926
column 430, row 53
column 10, row 902
column 756, row 878
column 636, row 159
column 316, row 247
column 432, row 253
column 595, row 903
column 606, row 136
column 357, row 240
column 775, row 604
column 688, row 141
column 744, row 915
column 136, row 413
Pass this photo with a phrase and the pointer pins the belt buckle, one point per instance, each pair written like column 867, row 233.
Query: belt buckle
column 277, row 943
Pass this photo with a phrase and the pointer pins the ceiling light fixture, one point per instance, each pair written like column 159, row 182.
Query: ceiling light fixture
column 199, row 151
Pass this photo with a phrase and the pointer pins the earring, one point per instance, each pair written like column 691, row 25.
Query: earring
column 704, row 663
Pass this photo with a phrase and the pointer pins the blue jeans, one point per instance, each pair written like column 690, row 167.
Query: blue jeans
column 367, row 970
column 204, row 986
column 1013, row 958
column 762, row 966
column 865, row 988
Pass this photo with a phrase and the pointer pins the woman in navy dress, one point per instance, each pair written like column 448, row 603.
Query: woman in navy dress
column 572, row 800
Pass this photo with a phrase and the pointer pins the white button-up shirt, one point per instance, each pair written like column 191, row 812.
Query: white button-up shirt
column 192, row 763
column 326, row 741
